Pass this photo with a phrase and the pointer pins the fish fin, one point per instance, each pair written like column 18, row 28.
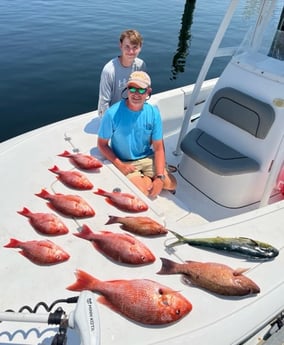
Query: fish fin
column 185, row 279
column 109, row 201
column 64, row 154
column 84, row 282
column 85, row 232
column 131, row 239
column 104, row 301
column 239, row 271
column 167, row 266
column 49, row 204
column 25, row 212
column 100, row 192
column 111, row 220
column 128, row 195
column 54, row 169
column 176, row 243
column 126, row 228
column 43, row 194
column 181, row 239
column 28, row 256
column 253, row 242
column 13, row 243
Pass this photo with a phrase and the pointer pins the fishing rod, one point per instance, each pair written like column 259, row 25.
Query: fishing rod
column 84, row 319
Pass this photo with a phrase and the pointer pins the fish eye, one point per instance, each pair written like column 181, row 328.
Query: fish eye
column 161, row 292
column 177, row 311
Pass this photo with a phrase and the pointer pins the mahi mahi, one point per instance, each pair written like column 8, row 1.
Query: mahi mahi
column 239, row 246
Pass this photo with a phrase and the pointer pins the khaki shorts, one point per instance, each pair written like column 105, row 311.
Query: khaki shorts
column 144, row 167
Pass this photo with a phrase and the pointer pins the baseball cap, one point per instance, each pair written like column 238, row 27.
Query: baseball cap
column 139, row 78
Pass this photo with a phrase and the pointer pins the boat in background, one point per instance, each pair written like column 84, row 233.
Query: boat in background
column 225, row 137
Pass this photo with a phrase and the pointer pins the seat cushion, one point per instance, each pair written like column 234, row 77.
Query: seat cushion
column 215, row 155
column 243, row 111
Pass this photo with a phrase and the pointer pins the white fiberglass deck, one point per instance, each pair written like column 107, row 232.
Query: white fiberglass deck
column 24, row 171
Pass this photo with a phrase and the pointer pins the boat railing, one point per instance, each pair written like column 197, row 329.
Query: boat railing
column 204, row 70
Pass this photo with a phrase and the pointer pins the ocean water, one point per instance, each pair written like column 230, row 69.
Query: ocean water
column 52, row 51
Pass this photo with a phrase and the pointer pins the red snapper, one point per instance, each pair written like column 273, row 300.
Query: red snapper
column 70, row 205
column 40, row 252
column 142, row 300
column 119, row 247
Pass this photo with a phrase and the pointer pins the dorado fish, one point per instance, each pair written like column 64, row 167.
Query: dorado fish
column 45, row 223
column 142, row 300
column 82, row 161
column 40, row 252
column 123, row 201
column 119, row 247
column 238, row 246
column 211, row 276
column 73, row 179
column 70, row 205
column 144, row 226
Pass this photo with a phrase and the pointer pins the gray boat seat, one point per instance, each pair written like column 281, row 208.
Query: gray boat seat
column 216, row 156
column 220, row 156
column 243, row 111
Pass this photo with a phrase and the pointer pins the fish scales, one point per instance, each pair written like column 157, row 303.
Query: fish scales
column 73, row 179
column 45, row 223
column 43, row 252
column 218, row 278
column 82, row 161
column 142, row 300
column 122, row 248
column 143, row 226
column 69, row 205
column 123, row 201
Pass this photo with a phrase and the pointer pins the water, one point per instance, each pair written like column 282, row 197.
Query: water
column 52, row 51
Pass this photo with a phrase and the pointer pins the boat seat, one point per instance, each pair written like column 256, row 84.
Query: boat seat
column 216, row 156
column 220, row 169
column 243, row 111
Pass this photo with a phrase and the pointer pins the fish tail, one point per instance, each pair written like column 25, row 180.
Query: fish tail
column 13, row 243
column 54, row 169
column 64, row 154
column 43, row 194
column 85, row 232
column 112, row 220
column 84, row 282
column 168, row 267
column 100, row 192
column 181, row 239
column 25, row 212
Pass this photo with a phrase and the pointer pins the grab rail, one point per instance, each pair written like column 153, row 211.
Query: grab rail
column 203, row 72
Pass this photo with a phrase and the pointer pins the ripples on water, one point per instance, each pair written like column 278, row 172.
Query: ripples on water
column 52, row 52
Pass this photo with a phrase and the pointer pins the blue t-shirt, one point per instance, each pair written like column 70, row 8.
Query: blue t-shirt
column 131, row 132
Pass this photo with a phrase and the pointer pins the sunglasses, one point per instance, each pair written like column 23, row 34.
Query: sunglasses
column 140, row 90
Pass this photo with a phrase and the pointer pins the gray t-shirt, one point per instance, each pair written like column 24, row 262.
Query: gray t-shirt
column 113, row 81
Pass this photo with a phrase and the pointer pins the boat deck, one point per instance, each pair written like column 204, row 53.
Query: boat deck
column 25, row 172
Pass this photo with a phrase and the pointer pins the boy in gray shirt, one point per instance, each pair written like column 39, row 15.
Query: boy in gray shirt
column 116, row 72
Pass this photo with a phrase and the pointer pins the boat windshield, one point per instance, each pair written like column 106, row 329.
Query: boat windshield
column 270, row 44
column 277, row 47
column 266, row 38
